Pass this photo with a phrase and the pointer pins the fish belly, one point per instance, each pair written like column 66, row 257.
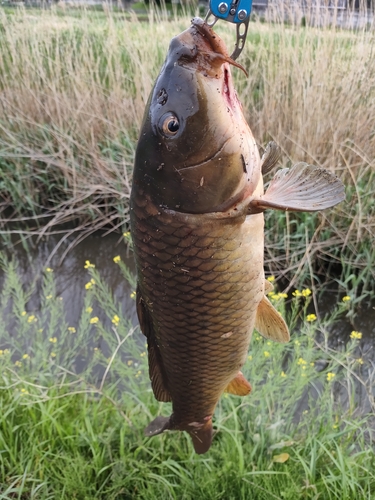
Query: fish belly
column 201, row 279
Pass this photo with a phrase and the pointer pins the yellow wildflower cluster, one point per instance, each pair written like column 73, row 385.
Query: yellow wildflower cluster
column 330, row 376
column 115, row 320
column 283, row 374
column 133, row 294
column 360, row 361
column 143, row 354
column 346, row 298
column 18, row 363
column 53, row 340
column 31, row 319
column 301, row 362
column 89, row 310
column 356, row 335
column 71, row 329
column 49, row 270
column 266, row 354
column 306, row 292
column 53, row 355
column 117, row 259
column 126, row 235
column 90, row 284
column 311, row 317
column 4, row 352
column 25, row 356
column 48, row 297
column 24, row 391
column 88, row 265
column 271, row 279
column 94, row 320
column 278, row 296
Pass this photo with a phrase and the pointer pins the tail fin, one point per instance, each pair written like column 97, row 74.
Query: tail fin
column 202, row 437
column 157, row 426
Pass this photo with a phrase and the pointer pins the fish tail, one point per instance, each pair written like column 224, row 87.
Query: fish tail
column 202, row 437
column 157, row 426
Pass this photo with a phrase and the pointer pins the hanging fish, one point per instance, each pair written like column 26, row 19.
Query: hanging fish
column 197, row 222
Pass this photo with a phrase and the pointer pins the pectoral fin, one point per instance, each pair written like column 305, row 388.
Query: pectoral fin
column 303, row 188
column 270, row 324
column 239, row 386
column 270, row 157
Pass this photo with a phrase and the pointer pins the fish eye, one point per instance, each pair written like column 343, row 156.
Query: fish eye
column 169, row 125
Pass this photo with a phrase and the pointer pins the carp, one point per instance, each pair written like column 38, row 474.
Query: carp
column 197, row 224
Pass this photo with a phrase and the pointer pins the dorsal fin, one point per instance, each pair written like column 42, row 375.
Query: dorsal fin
column 269, row 322
column 155, row 364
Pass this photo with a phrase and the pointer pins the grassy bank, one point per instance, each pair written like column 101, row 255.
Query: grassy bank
column 75, row 399
column 73, row 88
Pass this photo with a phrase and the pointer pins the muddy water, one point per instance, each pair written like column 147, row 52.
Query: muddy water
column 71, row 276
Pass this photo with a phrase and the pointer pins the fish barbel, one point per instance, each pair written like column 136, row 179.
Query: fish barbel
column 197, row 205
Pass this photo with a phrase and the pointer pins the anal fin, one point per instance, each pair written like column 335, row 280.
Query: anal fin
column 269, row 322
column 270, row 157
column 239, row 386
column 303, row 188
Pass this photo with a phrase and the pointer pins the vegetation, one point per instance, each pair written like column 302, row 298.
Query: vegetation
column 73, row 88
column 76, row 398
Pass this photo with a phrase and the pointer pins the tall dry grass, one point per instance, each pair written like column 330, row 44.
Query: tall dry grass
column 73, row 88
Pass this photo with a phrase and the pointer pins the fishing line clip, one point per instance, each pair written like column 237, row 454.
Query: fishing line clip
column 233, row 11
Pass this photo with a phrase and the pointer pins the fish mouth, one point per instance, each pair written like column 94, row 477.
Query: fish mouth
column 202, row 49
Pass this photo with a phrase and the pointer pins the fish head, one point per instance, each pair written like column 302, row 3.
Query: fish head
column 196, row 153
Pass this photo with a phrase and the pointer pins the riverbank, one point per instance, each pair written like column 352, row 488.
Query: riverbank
column 75, row 398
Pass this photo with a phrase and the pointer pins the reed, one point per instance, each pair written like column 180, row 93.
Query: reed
column 73, row 88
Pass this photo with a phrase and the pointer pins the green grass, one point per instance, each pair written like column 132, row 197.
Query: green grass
column 74, row 430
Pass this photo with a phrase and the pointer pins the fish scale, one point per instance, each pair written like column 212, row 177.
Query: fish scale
column 196, row 299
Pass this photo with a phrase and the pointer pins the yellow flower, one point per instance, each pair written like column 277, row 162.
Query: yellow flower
column 311, row 318
column 266, row 354
column 23, row 313
column 18, row 363
column 297, row 293
column 88, row 265
column 312, row 364
column 71, row 329
column 31, row 319
column 283, row 295
column 250, row 357
column 356, row 335
column 330, row 376
column 127, row 234
column 116, row 320
column 133, row 294
column 283, row 374
column 297, row 342
column 116, row 259
column 49, row 270
column 25, row 356
column 360, row 361
column 301, row 361
column 94, row 321
column 88, row 285
column 346, row 298
column 53, row 340
column 130, row 362
column 89, row 310
column 1, row 352
column 306, row 292
column 24, row 391
column 53, row 355
column 271, row 279
column 48, row 297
